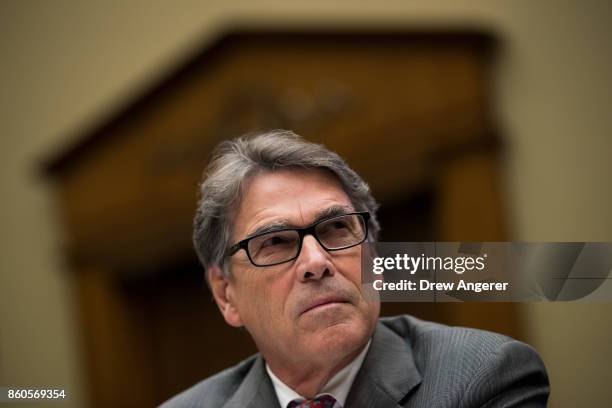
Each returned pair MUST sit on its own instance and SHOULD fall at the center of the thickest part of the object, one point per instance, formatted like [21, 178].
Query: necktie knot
[324, 401]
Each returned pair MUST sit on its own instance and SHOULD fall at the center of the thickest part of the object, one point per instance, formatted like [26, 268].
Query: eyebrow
[273, 226]
[332, 211]
[328, 212]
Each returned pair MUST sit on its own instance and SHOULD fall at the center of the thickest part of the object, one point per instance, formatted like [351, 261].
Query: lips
[322, 302]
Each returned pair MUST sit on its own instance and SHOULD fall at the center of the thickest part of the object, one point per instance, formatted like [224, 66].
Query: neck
[312, 376]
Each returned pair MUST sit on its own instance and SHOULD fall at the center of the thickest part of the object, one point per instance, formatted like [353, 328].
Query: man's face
[311, 307]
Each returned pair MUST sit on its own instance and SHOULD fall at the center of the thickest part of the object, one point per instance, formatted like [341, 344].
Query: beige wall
[66, 64]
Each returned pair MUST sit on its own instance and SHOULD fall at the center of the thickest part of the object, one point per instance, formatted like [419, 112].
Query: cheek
[349, 265]
[262, 299]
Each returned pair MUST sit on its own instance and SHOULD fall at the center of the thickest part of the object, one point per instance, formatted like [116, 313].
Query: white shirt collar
[338, 386]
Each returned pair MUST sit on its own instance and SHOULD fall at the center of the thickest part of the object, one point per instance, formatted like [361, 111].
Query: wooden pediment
[391, 103]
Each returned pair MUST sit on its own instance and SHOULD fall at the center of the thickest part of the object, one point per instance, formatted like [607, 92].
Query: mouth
[322, 303]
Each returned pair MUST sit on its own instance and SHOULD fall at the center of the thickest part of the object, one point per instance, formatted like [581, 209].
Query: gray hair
[234, 161]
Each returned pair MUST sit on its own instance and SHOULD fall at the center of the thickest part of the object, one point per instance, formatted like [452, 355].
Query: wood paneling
[409, 111]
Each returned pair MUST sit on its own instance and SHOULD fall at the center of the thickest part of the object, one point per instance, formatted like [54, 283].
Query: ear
[223, 292]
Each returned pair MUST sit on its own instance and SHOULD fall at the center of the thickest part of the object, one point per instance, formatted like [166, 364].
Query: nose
[313, 262]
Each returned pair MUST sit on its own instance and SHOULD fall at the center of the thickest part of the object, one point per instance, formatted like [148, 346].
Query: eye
[340, 224]
[275, 240]
[335, 228]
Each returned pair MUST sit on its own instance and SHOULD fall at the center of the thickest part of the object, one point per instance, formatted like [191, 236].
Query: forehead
[291, 196]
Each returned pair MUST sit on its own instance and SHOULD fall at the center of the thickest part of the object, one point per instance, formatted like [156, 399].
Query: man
[279, 229]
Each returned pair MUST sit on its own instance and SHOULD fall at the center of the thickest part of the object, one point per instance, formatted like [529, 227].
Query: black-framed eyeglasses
[284, 245]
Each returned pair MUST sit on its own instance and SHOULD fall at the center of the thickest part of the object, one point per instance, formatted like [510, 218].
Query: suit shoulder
[437, 337]
[212, 391]
[467, 349]
[472, 365]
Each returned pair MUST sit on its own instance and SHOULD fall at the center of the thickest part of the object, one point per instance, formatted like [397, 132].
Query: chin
[336, 330]
[341, 338]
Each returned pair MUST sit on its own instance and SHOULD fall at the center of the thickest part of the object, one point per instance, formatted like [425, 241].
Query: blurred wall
[68, 64]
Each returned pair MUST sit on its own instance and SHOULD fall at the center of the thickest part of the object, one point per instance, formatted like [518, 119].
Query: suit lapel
[387, 374]
[256, 391]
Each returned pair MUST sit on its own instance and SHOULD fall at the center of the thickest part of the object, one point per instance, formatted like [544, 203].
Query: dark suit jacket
[411, 363]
